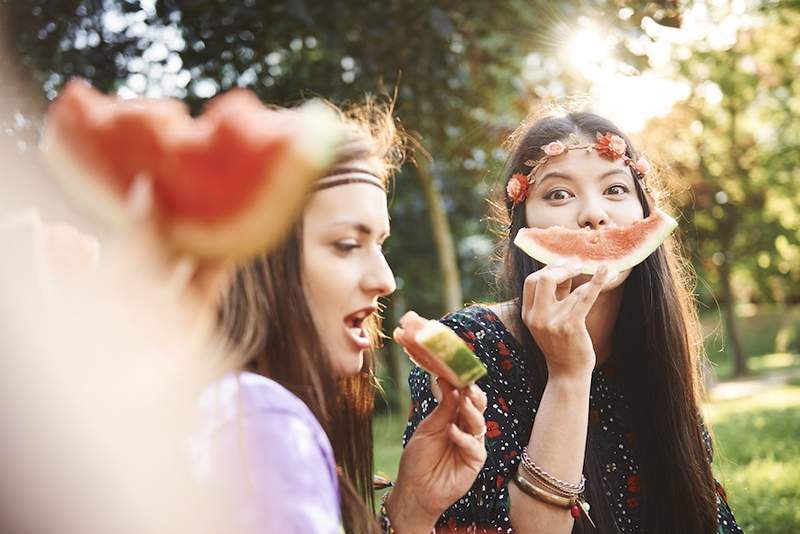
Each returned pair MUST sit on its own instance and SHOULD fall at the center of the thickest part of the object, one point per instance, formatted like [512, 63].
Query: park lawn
[757, 456]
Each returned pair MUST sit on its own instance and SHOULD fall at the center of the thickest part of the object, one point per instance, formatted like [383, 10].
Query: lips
[355, 327]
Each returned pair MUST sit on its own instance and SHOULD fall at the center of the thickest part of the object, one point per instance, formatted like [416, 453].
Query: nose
[592, 216]
[379, 279]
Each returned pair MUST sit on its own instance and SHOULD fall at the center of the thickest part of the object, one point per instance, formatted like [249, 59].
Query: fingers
[140, 198]
[470, 419]
[539, 290]
[563, 289]
[445, 412]
[586, 295]
[477, 396]
[472, 447]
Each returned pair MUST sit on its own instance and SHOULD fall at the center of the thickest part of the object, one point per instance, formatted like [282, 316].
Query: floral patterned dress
[509, 419]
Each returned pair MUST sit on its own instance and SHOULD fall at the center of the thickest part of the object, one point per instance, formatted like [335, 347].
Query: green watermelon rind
[635, 257]
[452, 351]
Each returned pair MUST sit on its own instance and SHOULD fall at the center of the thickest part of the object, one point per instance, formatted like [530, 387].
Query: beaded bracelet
[557, 482]
[383, 517]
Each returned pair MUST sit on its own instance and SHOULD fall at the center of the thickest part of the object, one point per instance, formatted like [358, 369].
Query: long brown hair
[267, 317]
[657, 344]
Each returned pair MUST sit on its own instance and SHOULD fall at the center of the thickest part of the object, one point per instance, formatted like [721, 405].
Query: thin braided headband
[609, 146]
[348, 175]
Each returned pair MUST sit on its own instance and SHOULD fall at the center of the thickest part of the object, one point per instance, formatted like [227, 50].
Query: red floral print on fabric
[493, 429]
[502, 403]
[633, 484]
[502, 349]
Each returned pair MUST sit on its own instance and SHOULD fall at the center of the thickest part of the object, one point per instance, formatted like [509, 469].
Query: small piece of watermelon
[438, 350]
[452, 351]
[618, 247]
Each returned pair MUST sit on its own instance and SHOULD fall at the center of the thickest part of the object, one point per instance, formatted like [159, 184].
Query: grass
[757, 442]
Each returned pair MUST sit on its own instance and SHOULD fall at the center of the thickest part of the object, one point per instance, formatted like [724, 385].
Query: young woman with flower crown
[593, 388]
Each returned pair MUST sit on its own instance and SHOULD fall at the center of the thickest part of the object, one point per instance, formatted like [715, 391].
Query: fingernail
[612, 276]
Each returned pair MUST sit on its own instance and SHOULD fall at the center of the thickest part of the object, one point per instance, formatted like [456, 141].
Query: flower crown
[608, 145]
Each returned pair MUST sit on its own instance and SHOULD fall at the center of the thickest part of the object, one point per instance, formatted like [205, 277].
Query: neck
[600, 322]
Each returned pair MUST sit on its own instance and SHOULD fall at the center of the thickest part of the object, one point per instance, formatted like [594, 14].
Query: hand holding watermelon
[226, 184]
[556, 315]
[440, 461]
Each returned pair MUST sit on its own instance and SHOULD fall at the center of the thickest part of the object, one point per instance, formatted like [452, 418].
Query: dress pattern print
[510, 412]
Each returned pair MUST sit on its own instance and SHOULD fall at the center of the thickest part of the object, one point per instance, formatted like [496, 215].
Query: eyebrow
[556, 174]
[361, 228]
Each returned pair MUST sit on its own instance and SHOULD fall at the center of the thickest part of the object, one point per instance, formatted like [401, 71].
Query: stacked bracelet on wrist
[383, 517]
[535, 482]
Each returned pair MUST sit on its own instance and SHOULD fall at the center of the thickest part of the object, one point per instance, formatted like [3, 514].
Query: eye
[345, 246]
[558, 194]
[617, 189]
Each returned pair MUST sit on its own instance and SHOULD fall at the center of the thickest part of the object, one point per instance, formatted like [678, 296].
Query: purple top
[263, 448]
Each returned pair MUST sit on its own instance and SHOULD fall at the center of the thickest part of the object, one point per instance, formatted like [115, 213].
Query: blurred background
[708, 89]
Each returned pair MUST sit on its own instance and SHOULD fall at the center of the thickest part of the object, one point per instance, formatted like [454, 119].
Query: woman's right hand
[556, 316]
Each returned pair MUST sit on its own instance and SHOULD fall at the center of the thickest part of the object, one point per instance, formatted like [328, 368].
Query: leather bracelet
[542, 495]
[534, 477]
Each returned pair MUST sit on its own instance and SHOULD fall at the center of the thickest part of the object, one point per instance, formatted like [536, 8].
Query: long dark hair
[657, 343]
[267, 317]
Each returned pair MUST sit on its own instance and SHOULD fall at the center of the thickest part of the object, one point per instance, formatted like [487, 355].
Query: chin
[349, 363]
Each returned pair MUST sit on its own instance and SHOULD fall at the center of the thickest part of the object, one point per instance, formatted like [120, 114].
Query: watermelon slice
[438, 350]
[618, 247]
[225, 184]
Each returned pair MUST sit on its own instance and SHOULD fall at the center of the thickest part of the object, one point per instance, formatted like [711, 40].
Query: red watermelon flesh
[225, 184]
[618, 247]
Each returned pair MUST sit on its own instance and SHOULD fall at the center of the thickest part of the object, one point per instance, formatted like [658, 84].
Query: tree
[739, 157]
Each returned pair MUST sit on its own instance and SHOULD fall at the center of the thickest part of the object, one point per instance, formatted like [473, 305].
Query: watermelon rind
[666, 225]
[451, 350]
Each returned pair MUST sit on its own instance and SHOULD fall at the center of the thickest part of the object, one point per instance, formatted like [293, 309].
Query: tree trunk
[392, 352]
[731, 329]
[443, 238]
[729, 229]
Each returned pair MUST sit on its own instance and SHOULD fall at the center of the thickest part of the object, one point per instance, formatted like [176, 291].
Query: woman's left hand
[441, 461]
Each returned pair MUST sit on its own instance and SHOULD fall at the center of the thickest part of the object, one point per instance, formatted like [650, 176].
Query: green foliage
[738, 157]
[455, 65]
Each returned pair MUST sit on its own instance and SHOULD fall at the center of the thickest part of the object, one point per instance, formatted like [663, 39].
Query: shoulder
[259, 402]
[244, 393]
[267, 419]
[264, 447]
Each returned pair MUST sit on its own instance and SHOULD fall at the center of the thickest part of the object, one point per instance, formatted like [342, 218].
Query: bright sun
[588, 49]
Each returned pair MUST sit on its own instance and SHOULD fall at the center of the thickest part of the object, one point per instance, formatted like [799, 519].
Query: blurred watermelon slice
[226, 184]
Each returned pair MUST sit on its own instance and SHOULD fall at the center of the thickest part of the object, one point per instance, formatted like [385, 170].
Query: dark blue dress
[509, 417]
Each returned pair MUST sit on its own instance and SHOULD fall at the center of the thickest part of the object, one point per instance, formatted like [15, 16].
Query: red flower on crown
[517, 188]
[610, 146]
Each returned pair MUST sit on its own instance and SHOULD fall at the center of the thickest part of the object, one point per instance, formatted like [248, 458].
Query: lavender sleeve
[279, 466]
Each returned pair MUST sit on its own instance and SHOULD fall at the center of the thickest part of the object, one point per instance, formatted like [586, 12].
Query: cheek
[542, 215]
[627, 212]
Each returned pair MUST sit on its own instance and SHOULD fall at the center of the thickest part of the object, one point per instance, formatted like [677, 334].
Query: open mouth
[355, 327]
